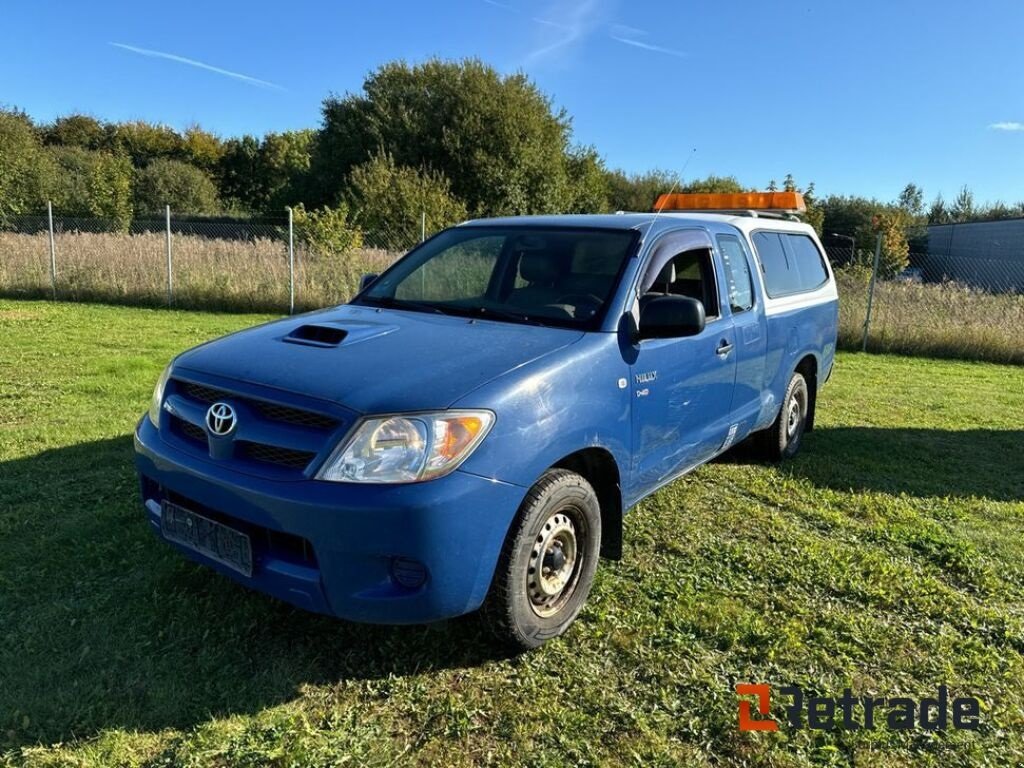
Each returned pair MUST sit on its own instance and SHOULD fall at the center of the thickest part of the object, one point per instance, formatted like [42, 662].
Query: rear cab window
[790, 261]
[737, 273]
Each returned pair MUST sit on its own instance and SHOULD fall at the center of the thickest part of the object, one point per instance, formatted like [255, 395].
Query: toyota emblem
[220, 419]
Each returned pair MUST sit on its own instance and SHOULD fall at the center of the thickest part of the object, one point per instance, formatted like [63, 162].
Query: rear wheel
[547, 563]
[782, 440]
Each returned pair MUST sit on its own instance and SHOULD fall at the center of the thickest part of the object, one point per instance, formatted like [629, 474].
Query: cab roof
[644, 221]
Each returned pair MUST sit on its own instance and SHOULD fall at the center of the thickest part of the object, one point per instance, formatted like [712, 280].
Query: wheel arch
[599, 468]
[808, 368]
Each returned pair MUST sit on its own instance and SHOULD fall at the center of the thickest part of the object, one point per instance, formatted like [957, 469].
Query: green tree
[201, 149]
[865, 219]
[639, 191]
[911, 200]
[171, 182]
[963, 208]
[938, 213]
[238, 175]
[326, 231]
[76, 131]
[496, 137]
[589, 187]
[25, 169]
[94, 184]
[283, 169]
[143, 142]
[390, 201]
[714, 184]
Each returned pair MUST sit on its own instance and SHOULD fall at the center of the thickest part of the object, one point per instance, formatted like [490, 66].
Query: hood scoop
[317, 335]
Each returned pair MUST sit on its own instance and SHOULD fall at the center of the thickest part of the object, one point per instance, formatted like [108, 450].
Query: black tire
[522, 609]
[783, 438]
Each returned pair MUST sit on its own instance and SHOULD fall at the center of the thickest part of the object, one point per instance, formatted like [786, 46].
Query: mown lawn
[888, 557]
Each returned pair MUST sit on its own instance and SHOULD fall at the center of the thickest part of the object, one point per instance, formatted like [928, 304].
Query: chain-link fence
[942, 304]
[259, 264]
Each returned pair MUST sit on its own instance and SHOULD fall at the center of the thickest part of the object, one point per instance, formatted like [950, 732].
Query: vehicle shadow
[102, 626]
[985, 463]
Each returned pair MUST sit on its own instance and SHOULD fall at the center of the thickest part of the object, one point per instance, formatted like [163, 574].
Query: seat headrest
[667, 276]
[538, 268]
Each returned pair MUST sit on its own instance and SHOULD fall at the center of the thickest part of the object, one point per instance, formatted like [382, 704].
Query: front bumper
[366, 540]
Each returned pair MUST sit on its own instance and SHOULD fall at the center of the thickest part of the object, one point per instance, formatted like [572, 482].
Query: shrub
[391, 202]
[171, 182]
[88, 183]
[23, 171]
[325, 231]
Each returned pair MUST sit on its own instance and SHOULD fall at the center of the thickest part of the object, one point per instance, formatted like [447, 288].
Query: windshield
[551, 276]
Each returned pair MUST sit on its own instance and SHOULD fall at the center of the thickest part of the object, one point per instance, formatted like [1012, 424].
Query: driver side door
[683, 387]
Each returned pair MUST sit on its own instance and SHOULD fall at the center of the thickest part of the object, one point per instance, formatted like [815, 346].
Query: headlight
[408, 448]
[158, 396]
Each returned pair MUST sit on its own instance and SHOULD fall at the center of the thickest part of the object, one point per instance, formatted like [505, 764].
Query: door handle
[724, 348]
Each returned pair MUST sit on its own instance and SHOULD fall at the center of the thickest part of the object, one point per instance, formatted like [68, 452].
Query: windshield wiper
[393, 303]
[488, 313]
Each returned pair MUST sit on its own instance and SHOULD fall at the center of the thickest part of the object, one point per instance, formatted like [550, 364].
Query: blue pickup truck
[469, 431]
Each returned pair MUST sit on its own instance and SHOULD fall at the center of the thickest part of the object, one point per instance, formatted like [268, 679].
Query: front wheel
[782, 440]
[548, 561]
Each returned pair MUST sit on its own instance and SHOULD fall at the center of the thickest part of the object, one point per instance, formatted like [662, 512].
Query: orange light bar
[743, 201]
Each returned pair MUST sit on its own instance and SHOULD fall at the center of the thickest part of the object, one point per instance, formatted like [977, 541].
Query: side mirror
[366, 279]
[670, 317]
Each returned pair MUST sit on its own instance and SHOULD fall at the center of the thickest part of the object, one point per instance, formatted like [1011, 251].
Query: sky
[859, 98]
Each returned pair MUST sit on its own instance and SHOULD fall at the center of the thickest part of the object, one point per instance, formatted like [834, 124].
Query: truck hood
[376, 360]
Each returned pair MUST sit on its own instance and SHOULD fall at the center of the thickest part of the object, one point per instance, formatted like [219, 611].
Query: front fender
[575, 399]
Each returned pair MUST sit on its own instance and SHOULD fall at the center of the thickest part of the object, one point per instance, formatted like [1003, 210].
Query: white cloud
[1009, 125]
[201, 65]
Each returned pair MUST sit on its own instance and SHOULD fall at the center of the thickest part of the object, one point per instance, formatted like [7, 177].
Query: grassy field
[888, 557]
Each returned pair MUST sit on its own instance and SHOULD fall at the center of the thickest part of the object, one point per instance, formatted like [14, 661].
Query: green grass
[887, 557]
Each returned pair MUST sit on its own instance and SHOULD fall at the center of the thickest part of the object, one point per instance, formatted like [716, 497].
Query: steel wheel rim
[553, 569]
[795, 414]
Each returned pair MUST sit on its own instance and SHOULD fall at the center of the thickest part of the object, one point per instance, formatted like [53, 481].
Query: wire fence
[188, 262]
[942, 304]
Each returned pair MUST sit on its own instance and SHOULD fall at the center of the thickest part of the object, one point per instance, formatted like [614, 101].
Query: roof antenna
[675, 184]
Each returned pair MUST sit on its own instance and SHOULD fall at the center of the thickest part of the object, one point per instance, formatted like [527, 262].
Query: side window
[809, 265]
[737, 273]
[780, 275]
[791, 263]
[690, 273]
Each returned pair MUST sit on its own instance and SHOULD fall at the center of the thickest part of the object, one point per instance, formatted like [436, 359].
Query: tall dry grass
[208, 273]
[946, 320]
[932, 319]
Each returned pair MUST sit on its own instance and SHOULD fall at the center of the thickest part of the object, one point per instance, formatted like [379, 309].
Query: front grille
[190, 430]
[271, 454]
[270, 411]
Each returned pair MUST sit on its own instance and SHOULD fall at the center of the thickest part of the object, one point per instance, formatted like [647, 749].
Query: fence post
[53, 250]
[423, 226]
[871, 292]
[291, 264]
[170, 271]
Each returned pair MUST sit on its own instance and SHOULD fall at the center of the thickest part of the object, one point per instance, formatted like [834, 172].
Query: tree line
[445, 140]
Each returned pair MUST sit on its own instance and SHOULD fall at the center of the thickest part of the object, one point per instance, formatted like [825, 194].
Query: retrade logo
[221, 420]
[849, 712]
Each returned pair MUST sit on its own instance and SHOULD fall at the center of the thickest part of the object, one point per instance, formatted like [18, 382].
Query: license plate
[208, 537]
